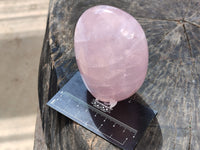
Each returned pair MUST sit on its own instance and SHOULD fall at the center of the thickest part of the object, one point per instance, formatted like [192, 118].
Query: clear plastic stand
[104, 106]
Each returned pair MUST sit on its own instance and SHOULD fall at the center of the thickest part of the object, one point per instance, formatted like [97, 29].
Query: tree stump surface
[172, 84]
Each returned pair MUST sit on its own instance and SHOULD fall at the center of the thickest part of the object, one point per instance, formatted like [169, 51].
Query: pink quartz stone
[111, 52]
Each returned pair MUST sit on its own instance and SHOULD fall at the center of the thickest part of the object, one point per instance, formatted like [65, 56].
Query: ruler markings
[85, 124]
[104, 114]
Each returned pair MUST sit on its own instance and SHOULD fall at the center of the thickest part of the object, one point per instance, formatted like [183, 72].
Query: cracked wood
[172, 84]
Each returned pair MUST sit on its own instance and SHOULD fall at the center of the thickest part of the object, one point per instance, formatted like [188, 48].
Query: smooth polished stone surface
[111, 52]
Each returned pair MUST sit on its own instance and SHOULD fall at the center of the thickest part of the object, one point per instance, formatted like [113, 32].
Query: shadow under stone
[130, 114]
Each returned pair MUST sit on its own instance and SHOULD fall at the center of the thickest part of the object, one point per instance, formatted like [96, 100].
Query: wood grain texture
[172, 84]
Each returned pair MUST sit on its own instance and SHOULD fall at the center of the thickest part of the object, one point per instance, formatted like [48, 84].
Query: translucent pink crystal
[111, 52]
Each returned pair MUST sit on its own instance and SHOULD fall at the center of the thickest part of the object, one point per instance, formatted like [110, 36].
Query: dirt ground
[22, 26]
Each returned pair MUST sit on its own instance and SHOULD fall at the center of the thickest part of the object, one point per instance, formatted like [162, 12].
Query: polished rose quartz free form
[111, 52]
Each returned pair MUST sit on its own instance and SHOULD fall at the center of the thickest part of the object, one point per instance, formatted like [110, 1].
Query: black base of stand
[122, 125]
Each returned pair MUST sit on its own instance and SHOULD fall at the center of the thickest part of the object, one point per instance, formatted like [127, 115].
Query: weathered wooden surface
[172, 85]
